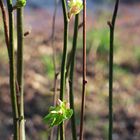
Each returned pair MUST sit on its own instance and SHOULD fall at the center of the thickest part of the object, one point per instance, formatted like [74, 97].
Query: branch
[12, 71]
[111, 57]
[71, 78]
[5, 23]
[20, 47]
[84, 72]
[63, 65]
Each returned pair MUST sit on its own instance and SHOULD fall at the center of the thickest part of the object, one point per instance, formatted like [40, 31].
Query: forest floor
[39, 75]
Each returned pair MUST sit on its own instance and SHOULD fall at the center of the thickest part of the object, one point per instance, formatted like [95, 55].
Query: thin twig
[54, 102]
[63, 65]
[64, 57]
[84, 73]
[80, 25]
[111, 57]
[54, 51]
[70, 55]
[12, 71]
[5, 23]
[54, 59]
[20, 65]
[68, 64]
[71, 77]
[53, 34]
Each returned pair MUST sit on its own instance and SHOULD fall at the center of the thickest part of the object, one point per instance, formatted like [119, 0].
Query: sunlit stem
[12, 71]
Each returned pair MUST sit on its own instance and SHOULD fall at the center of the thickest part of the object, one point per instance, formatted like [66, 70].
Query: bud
[19, 4]
[75, 7]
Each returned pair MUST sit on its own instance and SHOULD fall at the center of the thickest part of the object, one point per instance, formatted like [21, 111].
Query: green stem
[63, 65]
[111, 58]
[84, 74]
[111, 86]
[20, 71]
[63, 69]
[12, 70]
[71, 78]
[51, 137]
[68, 64]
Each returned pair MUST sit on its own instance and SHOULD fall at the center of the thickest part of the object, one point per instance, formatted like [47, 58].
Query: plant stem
[20, 46]
[84, 72]
[54, 52]
[70, 56]
[5, 23]
[12, 70]
[111, 57]
[63, 65]
[54, 61]
[64, 57]
[53, 34]
[71, 78]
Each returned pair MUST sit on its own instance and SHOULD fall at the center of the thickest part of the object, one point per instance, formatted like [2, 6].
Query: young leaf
[58, 114]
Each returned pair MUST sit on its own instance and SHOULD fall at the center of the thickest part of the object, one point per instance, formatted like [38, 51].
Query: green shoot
[75, 7]
[58, 114]
[19, 4]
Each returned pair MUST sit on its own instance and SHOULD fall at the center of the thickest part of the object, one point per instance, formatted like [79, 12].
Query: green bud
[19, 4]
[75, 7]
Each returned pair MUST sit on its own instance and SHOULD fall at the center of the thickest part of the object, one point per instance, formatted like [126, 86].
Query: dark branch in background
[80, 25]
[54, 60]
[12, 71]
[84, 72]
[53, 34]
[5, 23]
[71, 77]
[111, 57]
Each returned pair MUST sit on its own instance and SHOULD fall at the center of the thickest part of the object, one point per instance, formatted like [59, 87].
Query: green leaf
[58, 114]
[69, 113]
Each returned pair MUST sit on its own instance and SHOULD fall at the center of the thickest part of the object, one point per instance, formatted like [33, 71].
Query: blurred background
[39, 71]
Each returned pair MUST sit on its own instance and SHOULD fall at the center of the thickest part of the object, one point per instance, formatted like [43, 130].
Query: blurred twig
[53, 34]
[5, 23]
[54, 60]
[80, 25]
